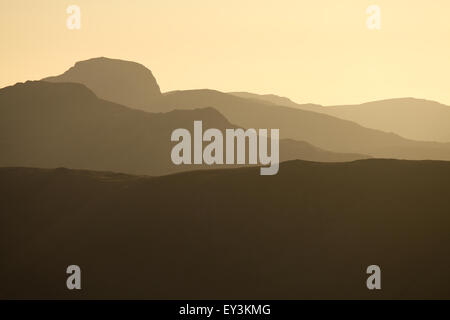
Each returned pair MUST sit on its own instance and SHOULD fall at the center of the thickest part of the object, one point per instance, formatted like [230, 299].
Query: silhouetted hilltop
[49, 125]
[308, 232]
[123, 82]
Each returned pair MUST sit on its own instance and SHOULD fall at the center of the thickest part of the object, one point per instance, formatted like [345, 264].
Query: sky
[315, 51]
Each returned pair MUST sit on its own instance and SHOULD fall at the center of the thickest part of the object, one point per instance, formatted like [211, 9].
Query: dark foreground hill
[308, 232]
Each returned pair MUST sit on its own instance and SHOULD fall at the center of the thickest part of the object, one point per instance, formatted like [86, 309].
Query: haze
[311, 51]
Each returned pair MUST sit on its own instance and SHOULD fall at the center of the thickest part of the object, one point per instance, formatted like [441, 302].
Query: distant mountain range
[415, 119]
[307, 233]
[49, 125]
[296, 122]
[321, 130]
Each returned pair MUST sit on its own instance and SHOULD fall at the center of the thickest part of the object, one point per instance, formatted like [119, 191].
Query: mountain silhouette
[307, 233]
[415, 119]
[319, 129]
[123, 82]
[309, 122]
[44, 124]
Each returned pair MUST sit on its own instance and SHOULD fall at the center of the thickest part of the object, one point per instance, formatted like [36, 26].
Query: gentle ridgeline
[308, 232]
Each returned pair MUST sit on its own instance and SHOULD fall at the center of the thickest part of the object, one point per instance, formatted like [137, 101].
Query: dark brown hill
[308, 232]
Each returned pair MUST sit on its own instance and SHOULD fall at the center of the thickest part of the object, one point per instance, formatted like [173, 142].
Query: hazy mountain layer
[415, 119]
[302, 122]
[50, 125]
[321, 130]
[308, 232]
[277, 100]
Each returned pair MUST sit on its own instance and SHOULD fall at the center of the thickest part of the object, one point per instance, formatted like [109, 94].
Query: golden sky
[318, 51]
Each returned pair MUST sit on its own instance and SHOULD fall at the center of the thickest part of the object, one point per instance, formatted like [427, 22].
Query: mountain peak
[120, 81]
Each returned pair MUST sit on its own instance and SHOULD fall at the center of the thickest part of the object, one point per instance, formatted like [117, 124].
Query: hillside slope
[308, 232]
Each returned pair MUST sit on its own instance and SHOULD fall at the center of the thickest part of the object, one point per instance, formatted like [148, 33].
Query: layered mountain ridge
[44, 124]
[314, 124]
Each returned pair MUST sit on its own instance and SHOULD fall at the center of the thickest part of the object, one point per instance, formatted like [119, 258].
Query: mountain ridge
[412, 118]
[325, 131]
[45, 124]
